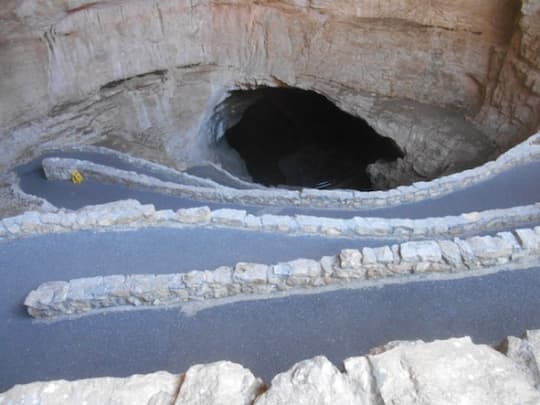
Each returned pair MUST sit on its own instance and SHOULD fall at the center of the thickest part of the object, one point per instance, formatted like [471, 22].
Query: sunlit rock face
[452, 83]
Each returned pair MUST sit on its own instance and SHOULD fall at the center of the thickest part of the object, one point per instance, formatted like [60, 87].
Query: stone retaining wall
[130, 214]
[158, 168]
[61, 169]
[79, 296]
[443, 372]
[154, 170]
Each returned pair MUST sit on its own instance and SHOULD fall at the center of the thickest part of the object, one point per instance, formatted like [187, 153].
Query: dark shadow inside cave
[295, 138]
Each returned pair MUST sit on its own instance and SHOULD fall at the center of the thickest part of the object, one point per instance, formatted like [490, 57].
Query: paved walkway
[519, 186]
[267, 336]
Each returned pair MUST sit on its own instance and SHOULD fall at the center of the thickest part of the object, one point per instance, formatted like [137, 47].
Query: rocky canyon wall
[459, 81]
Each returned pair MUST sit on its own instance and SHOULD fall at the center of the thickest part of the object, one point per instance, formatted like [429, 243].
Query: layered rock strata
[452, 84]
[454, 371]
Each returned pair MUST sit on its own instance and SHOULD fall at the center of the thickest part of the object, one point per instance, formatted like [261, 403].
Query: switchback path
[516, 187]
[267, 336]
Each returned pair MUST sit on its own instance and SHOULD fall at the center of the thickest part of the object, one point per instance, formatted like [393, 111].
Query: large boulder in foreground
[220, 383]
[449, 372]
[444, 372]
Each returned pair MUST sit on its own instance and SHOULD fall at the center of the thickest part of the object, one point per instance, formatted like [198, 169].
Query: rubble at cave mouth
[291, 138]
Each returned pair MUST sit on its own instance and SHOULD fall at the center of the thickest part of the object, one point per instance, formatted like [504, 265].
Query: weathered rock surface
[525, 352]
[158, 388]
[452, 372]
[448, 372]
[119, 73]
[221, 383]
[312, 382]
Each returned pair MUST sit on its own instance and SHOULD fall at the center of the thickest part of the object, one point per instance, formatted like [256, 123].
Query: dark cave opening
[294, 138]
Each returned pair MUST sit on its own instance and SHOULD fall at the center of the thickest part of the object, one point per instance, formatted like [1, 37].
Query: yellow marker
[76, 177]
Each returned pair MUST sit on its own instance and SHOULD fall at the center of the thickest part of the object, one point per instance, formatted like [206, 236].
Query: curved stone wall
[184, 185]
[145, 76]
[130, 214]
[519, 249]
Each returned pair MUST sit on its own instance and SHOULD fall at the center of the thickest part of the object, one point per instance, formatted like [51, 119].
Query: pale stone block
[280, 223]
[303, 271]
[469, 259]
[251, 273]
[165, 215]
[220, 383]
[48, 293]
[379, 227]
[421, 251]
[308, 224]
[194, 278]
[384, 254]
[115, 286]
[12, 225]
[333, 226]
[315, 381]
[327, 265]
[350, 258]
[253, 222]
[488, 247]
[86, 288]
[403, 227]
[30, 222]
[360, 226]
[222, 275]
[198, 215]
[229, 217]
[368, 256]
[528, 239]
[305, 268]
[451, 253]
[511, 240]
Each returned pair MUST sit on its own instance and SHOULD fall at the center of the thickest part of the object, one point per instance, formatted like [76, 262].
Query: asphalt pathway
[24, 264]
[268, 336]
[516, 187]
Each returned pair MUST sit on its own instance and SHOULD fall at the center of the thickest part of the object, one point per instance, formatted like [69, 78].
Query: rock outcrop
[221, 383]
[452, 83]
[525, 352]
[159, 388]
[453, 372]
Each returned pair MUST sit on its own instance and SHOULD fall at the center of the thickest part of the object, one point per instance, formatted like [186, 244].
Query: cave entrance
[292, 138]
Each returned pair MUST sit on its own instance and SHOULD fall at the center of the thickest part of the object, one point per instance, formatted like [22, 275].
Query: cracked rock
[450, 372]
[220, 383]
[157, 389]
[311, 382]
[424, 251]
[525, 352]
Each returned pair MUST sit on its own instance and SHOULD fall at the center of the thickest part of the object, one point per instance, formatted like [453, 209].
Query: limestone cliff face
[459, 79]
